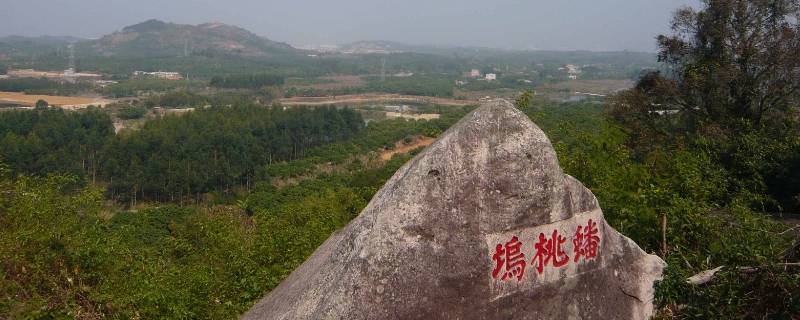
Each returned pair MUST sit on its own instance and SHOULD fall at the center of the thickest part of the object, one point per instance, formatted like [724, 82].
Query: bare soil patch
[401, 147]
[65, 102]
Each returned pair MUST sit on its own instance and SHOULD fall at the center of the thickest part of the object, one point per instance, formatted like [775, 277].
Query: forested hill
[158, 38]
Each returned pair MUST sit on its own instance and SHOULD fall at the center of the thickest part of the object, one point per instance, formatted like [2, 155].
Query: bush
[132, 112]
[177, 99]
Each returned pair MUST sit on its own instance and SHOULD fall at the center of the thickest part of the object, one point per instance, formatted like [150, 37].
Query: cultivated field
[335, 82]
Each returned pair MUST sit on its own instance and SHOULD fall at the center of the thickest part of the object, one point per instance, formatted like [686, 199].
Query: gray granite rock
[461, 232]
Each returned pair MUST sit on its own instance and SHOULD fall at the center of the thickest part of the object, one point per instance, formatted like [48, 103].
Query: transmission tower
[69, 74]
[383, 69]
[71, 57]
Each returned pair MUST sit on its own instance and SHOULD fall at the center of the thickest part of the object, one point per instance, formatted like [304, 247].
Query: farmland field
[63, 101]
[371, 98]
[331, 82]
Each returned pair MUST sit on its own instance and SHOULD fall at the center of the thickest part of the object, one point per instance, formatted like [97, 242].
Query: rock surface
[443, 239]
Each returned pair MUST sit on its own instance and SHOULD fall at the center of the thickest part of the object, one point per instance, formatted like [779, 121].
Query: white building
[572, 71]
[475, 73]
[491, 76]
[401, 108]
[158, 75]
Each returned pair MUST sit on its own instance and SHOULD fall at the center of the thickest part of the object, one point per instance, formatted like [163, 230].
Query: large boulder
[481, 225]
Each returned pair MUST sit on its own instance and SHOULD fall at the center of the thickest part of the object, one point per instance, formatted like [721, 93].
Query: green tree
[732, 61]
[733, 85]
[41, 104]
[524, 100]
[132, 112]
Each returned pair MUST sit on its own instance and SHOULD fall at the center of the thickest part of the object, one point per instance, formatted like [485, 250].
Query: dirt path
[401, 147]
[372, 98]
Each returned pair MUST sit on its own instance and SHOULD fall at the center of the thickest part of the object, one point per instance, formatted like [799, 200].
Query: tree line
[42, 86]
[212, 149]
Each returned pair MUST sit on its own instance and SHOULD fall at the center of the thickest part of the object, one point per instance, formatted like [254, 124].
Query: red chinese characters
[586, 241]
[549, 251]
[509, 258]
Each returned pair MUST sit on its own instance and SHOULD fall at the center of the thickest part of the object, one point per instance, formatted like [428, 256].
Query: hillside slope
[157, 38]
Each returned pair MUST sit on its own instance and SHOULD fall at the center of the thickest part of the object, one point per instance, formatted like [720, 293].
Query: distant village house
[573, 71]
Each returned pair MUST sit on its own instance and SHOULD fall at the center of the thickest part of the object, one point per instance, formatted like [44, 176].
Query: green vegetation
[307, 81]
[199, 215]
[53, 140]
[3, 69]
[131, 112]
[415, 85]
[85, 260]
[710, 152]
[42, 86]
[247, 81]
[709, 223]
[216, 149]
[173, 157]
[41, 104]
[136, 87]
[64, 257]
[314, 92]
[176, 99]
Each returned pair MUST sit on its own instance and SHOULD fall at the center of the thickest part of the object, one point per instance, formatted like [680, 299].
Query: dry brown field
[61, 101]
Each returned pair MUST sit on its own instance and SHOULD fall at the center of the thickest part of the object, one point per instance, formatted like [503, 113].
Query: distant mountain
[155, 38]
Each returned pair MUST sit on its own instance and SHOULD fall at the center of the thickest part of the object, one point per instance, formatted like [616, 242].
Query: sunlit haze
[602, 25]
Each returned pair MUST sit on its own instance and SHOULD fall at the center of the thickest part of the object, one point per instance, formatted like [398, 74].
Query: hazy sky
[523, 24]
